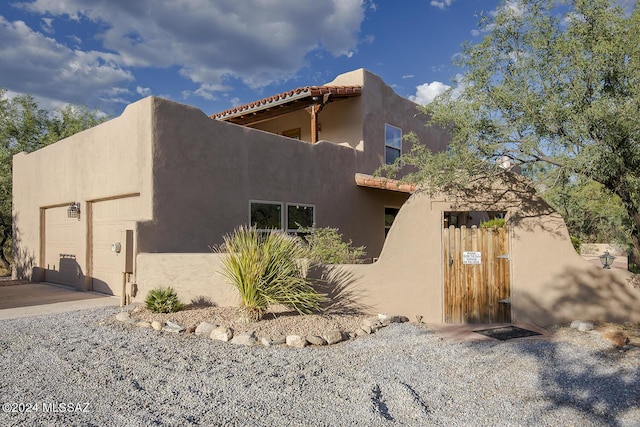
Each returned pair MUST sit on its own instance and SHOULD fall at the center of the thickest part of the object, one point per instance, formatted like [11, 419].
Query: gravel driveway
[82, 368]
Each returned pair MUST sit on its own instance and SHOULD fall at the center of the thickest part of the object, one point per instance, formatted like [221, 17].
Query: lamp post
[606, 259]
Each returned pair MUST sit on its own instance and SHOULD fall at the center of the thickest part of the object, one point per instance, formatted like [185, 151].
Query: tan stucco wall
[380, 105]
[550, 282]
[194, 277]
[110, 160]
[206, 171]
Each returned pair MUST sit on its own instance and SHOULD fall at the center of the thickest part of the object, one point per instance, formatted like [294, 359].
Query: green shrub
[269, 269]
[327, 246]
[163, 300]
[493, 223]
[577, 243]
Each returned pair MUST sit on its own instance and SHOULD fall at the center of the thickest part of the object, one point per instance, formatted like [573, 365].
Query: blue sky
[214, 54]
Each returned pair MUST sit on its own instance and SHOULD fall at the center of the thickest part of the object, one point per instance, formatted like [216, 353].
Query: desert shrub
[493, 223]
[327, 246]
[577, 243]
[163, 300]
[267, 268]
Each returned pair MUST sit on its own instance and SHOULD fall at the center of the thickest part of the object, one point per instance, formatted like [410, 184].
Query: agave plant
[266, 269]
[163, 300]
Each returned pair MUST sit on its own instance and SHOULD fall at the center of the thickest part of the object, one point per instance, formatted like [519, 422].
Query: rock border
[226, 334]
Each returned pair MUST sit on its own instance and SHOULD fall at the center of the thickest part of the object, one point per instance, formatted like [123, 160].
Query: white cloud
[427, 92]
[39, 65]
[46, 25]
[256, 41]
[441, 4]
[143, 91]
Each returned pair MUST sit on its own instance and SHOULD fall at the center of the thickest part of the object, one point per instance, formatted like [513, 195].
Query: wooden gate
[476, 275]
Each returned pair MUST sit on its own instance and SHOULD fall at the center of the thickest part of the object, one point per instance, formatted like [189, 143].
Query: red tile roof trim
[301, 92]
[364, 180]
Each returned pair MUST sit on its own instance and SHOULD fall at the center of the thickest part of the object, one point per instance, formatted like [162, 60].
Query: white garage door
[63, 253]
[110, 221]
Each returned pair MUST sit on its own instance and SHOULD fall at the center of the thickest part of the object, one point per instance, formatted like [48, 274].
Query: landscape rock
[367, 329]
[403, 319]
[268, 342]
[124, 316]
[156, 325]
[316, 340]
[205, 328]
[575, 324]
[296, 341]
[333, 337]
[172, 327]
[387, 319]
[585, 327]
[143, 324]
[221, 333]
[361, 332]
[582, 325]
[244, 339]
[617, 338]
[190, 330]
[373, 323]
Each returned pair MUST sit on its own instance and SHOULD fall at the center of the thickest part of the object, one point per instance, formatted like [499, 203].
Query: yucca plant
[163, 300]
[268, 269]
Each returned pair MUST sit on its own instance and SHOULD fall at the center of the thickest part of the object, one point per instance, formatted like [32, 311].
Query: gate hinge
[505, 256]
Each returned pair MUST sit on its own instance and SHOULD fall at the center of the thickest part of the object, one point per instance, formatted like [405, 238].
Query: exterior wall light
[73, 211]
[607, 259]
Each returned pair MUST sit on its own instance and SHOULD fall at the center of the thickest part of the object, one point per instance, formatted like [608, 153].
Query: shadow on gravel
[585, 384]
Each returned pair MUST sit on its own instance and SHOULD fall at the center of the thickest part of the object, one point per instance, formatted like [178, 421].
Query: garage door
[110, 221]
[63, 249]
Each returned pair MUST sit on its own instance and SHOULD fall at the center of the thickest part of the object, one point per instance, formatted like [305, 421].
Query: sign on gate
[472, 257]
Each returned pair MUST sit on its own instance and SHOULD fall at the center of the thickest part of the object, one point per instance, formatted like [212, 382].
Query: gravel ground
[114, 374]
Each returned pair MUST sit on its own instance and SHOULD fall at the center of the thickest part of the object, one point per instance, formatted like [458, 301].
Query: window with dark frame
[300, 217]
[266, 215]
[389, 216]
[392, 143]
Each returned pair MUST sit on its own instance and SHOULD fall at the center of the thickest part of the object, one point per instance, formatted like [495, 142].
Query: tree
[26, 127]
[552, 83]
[592, 214]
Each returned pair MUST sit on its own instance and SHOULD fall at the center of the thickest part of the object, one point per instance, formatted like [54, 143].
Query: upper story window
[392, 143]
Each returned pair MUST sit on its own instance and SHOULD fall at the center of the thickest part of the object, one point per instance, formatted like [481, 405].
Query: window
[389, 216]
[300, 216]
[392, 143]
[270, 216]
[266, 215]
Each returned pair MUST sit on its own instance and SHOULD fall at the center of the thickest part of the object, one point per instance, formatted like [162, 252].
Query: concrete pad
[36, 299]
[464, 332]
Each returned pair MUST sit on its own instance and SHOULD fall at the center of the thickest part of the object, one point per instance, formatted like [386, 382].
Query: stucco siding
[206, 172]
[109, 160]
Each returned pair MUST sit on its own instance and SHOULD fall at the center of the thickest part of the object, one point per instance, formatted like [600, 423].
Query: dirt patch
[273, 324]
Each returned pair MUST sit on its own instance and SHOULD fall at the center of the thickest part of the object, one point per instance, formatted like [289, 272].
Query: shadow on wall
[512, 193]
[593, 294]
[339, 287]
[586, 386]
[23, 262]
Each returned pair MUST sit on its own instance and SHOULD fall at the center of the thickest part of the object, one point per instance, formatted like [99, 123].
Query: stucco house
[136, 203]
[163, 178]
